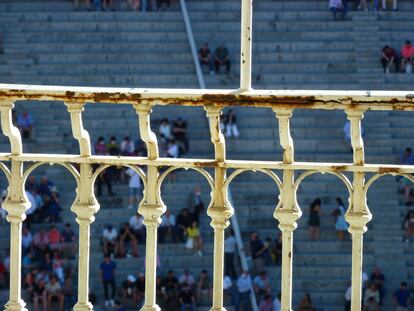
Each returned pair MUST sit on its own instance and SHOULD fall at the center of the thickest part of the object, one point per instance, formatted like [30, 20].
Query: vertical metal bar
[246, 45]
[358, 214]
[287, 211]
[16, 205]
[219, 211]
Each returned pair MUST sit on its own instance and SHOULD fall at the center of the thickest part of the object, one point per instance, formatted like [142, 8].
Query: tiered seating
[296, 46]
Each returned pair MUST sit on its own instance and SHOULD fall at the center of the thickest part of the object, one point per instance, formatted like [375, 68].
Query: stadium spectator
[168, 227]
[340, 224]
[187, 299]
[54, 292]
[108, 268]
[184, 221]
[407, 53]
[27, 240]
[229, 254]
[2, 275]
[136, 223]
[407, 157]
[277, 302]
[244, 287]
[160, 4]
[109, 239]
[204, 285]
[134, 186]
[314, 219]
[40, 295]
[51, 207]
[112, 147]
[389, 57]
[227, 287]
[372, 293]
[259, 252]
[179, 131]
[40, 242]
[231, 124]
[401, 297]
[87, 3]
[170, 285]
[54, 238]
[222, 58]
[165, 129]
[127, 147]
[141, 288]
[306, 303]
[266, 304]
[195, 203]
[378, 278]
[128, 291]
[337, 5]
[276, 250]
[25, 124]
[194, 240]
[68, 292]
[108, 5]
[409, 226]
[127, 239]
[100, 147]
[68, 241]
[135, 5]
[261, 285]
[348, 297]
[140, 149]
[118, 306]
[205, 57]
[371, 305]
[186, 279]
[394, 5]
[173, 149]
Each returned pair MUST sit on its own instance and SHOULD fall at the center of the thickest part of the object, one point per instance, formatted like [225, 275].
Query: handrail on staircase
[191, 41]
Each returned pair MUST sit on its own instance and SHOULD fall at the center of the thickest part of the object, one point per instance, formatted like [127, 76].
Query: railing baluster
[358, 214]
[151, 208]
[85, 206]
[288, 213]
[16, 205]
[219, 211]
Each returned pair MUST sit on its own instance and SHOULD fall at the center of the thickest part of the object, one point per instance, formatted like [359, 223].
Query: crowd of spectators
[342, 6]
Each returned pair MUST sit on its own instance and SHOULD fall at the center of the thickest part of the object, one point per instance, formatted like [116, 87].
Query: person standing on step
[229, 254]
[314, 219]
[134, 186]
[340, 224]
[231, 124]
[195, 203]
[108, 268]
[244, 287]
[407, 52]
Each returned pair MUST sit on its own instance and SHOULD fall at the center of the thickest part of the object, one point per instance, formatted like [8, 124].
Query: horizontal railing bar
[188, 163]
[306, 99]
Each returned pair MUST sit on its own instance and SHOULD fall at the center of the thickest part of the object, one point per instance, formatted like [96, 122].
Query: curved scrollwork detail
[6, 171]
[341, 176]
[203, 172]
[378, 176]
[68, 166]
[267, 172]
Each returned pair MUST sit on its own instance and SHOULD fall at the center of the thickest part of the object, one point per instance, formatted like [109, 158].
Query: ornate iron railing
[283, 103]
